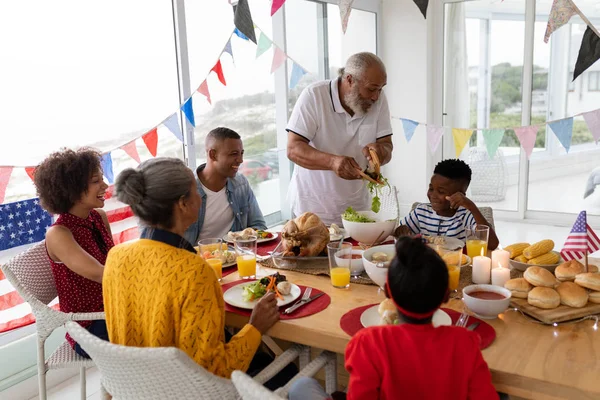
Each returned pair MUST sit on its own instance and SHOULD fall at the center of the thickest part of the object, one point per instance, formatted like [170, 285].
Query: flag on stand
[581, 241]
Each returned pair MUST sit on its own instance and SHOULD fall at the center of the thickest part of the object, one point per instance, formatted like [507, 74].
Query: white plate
[370, 317]
[233, 296]
[450, 243]
[343, 235]
[258, 241]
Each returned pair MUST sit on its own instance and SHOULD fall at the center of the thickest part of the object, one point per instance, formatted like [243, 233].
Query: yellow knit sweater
[156, 295]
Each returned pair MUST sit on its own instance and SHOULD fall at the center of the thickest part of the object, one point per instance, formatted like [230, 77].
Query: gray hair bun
[131, 186]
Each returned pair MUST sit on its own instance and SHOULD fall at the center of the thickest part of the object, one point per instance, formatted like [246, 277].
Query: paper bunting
[218, 69]
[560, 14]
[492, 138]
[264, 44]
[131, 150]
[434, 135]
[297, 73]
[526, 136]
[228, 49]
[240, 34]
[592, 119]
[589, 52]
[203, 90]
[172, 123]
[4, 178]
[422, 4]
[461, 138]
[243, 20]
[30, 171]
[151, 140]
[107, 167]
[276, 5]
[563, 129]
[345, 7]
[278, 58]
[188, 110]
[409, 127]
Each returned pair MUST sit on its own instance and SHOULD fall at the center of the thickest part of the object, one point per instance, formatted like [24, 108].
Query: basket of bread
[569, 285]
[540, 254]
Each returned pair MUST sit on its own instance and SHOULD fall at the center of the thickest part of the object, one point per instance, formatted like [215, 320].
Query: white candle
[481, 269]
[500, 256]
[500, 275]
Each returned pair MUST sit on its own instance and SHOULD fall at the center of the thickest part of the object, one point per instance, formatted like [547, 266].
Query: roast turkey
[304, 236]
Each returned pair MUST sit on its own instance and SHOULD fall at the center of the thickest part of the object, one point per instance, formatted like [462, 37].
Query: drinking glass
[211, 249]
[477, 240]
[454, 263]
[339, 268]
[245, 250]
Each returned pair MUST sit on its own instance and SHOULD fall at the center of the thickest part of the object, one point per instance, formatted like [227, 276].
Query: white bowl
[356, 264]
[378, 275]
[367, 232]
[486, 309]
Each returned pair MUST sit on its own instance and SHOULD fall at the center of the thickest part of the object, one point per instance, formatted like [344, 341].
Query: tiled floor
[67, 390]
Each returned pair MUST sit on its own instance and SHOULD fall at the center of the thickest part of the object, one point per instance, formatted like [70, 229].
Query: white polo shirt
[319, 117]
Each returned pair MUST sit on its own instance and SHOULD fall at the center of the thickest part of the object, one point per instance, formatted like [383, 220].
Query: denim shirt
[246, 213]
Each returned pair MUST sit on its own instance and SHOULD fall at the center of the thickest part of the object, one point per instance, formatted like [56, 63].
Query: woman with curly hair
[70, 183]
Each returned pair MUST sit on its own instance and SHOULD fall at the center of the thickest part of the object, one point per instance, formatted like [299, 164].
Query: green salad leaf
[253, 291]
[353, 216]
[374, 190]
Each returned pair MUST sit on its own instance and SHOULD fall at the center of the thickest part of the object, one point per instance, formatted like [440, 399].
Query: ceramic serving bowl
[519, 266]
[483, 308]
[378, 275]
[367, 232]
[356, 264]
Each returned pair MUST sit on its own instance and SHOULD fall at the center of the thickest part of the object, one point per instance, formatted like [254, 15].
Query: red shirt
[76, 293]
[417, 362]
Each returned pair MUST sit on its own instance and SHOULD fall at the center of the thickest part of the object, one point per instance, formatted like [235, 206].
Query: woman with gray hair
[158, 292]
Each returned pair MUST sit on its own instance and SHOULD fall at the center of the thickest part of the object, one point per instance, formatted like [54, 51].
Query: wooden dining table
[527, 359]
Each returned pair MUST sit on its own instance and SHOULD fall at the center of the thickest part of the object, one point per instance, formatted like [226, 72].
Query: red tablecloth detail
[350, 323]
[229, 270]
[311, 308]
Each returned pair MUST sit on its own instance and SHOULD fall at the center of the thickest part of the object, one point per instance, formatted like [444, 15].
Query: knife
[300, 304]
[473, 326]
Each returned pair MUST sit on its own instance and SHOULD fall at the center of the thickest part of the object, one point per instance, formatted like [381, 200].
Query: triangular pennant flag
[422, 4]
[345, 8]
[297, 73]
[240, 34]
[278, 58]
[592, 119]
[526, 136]
[492, 138]
[563, 129]
[461, 138]
[243, 20]
[228, 49]
[409, 127]
[203, 89]
[107, 167]
[434, 135]
[151, 141]
[276, 5]
[131, 150]
[218, 69]
[560, 14]
[4, 178]
[172, 123]
[188, 110]
[30, 171]
[589, 52]
[264, 44]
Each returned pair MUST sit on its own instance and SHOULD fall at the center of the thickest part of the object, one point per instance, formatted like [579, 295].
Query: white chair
[30, 273]
[249, 389]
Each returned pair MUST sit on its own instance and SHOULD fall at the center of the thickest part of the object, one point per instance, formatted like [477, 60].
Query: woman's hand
[265, 313]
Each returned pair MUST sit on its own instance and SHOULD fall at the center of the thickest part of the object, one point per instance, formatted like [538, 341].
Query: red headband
[406, 312]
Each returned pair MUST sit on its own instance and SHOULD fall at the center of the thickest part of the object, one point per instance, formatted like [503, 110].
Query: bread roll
[594, 297]
[519, 287]
[387, 304]
[592, 268]
[543, 297]
[588, 280]
[539, 276]
[572, 295]
[567, 271]
[388, 312]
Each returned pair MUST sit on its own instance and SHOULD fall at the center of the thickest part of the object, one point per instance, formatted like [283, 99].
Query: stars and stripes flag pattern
[581, 241]
[25, 222]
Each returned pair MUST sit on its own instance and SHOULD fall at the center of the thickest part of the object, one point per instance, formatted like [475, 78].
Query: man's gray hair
[358, 63]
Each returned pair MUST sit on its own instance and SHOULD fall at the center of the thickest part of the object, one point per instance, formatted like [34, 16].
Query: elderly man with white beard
[330, 132]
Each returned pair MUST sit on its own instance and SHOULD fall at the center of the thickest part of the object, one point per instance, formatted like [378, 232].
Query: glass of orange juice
[211, 250]
[477, 240]
[454, 260]
[339, 267]
[245, 250]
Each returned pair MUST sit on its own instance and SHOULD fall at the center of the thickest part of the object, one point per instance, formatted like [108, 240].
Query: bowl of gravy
[355, 256]
[486, 301]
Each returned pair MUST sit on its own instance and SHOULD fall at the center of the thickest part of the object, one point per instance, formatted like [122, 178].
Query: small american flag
[581, 241]
[22, 222]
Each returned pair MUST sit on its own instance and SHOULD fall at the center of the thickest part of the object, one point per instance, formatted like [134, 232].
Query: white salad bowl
[367, 232]
[377, 274]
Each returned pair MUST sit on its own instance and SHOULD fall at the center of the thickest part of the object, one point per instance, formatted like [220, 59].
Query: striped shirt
[425, 221]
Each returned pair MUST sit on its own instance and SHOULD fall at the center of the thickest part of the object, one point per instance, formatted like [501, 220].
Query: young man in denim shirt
[228, 203]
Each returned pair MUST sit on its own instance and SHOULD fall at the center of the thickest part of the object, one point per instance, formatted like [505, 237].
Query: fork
[304, 297]
[463, 319]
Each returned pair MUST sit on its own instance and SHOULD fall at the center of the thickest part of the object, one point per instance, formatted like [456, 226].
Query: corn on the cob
[539, 248]
[545, 259]
[516, 249]
[521, 259]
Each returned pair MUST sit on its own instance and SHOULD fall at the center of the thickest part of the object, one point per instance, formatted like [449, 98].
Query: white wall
[404, 51]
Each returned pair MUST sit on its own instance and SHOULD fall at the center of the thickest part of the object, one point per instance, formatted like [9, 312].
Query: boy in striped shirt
[450, 211]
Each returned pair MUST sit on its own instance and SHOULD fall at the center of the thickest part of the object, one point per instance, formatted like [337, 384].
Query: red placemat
[311, 308]
[350, 323]
[264, 248]
[229, 270]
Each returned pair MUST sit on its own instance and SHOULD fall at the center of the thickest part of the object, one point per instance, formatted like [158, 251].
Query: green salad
[353, 216]
[374, 190]
[254, 291]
